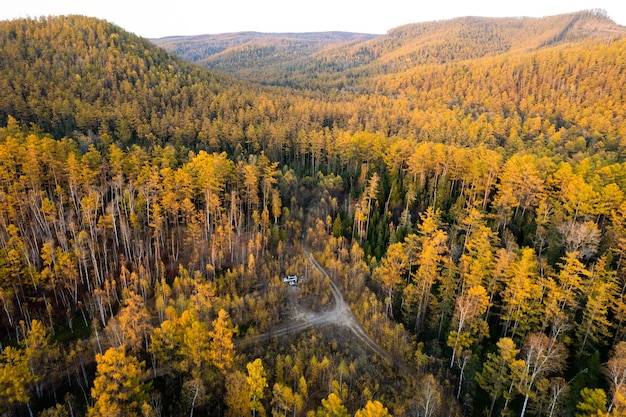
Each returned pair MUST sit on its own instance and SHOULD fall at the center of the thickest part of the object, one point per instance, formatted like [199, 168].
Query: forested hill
[249, 50]
[78, 73]
[351, 58]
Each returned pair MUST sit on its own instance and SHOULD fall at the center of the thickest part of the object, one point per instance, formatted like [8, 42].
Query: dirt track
[341, 315]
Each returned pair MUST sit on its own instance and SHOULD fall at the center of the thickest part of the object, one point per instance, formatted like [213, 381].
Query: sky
[160, 18]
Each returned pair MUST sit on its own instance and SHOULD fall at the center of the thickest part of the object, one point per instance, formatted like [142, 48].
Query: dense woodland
[471, 211]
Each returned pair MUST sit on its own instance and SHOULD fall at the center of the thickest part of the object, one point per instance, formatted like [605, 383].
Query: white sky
[158, 18]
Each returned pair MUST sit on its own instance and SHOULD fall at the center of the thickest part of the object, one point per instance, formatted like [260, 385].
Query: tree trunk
[524, 406]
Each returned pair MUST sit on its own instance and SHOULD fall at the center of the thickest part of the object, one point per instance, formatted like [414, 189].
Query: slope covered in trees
[472, 214]
[351, 62]
[249, 54]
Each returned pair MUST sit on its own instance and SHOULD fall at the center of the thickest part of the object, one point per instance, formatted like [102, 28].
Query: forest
[458, 226]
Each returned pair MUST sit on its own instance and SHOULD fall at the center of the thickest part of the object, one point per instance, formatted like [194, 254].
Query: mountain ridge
[271, 59]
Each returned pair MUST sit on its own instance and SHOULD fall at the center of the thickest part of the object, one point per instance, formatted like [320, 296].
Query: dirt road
[341, 315]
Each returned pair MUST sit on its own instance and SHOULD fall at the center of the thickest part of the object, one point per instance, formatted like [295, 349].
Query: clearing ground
[340, 315]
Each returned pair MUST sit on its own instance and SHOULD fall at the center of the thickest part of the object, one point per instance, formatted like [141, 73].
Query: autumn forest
[451, 197]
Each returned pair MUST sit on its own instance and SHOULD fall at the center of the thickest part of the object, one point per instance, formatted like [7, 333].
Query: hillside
[350, 60]
[457, 226]
[243, 52]
[78, 74]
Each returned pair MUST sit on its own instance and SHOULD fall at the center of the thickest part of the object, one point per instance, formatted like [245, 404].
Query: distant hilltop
[289, 58]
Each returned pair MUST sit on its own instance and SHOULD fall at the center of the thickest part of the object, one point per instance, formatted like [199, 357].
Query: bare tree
[541, 357]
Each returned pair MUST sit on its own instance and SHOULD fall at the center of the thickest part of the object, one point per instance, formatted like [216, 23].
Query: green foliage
[592, 403]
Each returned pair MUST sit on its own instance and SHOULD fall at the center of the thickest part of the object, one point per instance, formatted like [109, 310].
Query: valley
[451, 195]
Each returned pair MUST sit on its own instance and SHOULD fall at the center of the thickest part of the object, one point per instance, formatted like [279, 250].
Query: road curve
[341, 315]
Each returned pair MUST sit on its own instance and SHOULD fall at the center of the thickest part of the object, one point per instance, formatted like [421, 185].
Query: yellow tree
[117, 389]
[592, 403]
[602, 293]
[237, 398]
[134, 321]
[469, 327]
[364, 207]
[285, 400]
[430, 256]
[477, 264]
[467, 320]
[429, 396]
[573, 194]
[166, 342]
[195, 392]
[391, 271]
[520, 300]
[221, 351]
[196, 347]
[373, 409]
[40, 353]
[332, 407]
[564, 294]
[520, 186]
[495, 377]
[257, 383]
[211, 173]
[15, 377]
[269, 173]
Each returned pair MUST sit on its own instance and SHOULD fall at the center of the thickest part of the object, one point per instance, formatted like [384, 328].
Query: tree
[466, 321]
[364, 208]
[391, 271]
[57, 411]
[520, 186]
[616, 371]
[581, 237]
[478, 261]
[332, 407]
[15, 377]
[237, 398]
[285, 400]
[542, 356]
[564, 294]
[39, 353]
[257, 382]
[211, 173]
[196, 346]
[117, 389]
[134, 321]
[520, 304]
[559, 389]
[430, 256]
[428, 396]
[373, 409]
[221, 351]
[595, 324]
[195, 391]
[495, 377]
[592, 402]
